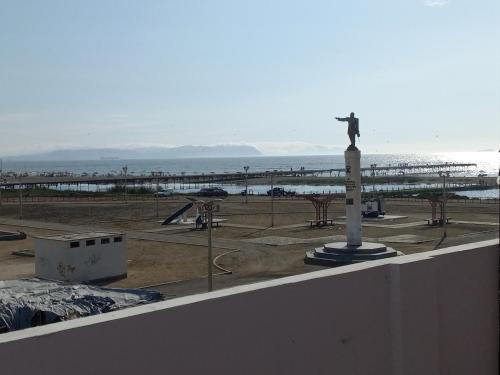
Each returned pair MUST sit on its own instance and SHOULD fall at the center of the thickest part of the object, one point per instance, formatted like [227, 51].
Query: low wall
[428, 313]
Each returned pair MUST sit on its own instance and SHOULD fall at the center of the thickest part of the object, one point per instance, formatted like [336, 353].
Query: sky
[421, 75]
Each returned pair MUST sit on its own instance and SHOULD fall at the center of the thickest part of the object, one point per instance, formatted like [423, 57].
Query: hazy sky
[421, 75]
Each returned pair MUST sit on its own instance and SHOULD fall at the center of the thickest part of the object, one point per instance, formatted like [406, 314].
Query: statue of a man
[352, 129]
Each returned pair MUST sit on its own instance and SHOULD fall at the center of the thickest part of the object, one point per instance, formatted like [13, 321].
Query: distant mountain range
[142, 153]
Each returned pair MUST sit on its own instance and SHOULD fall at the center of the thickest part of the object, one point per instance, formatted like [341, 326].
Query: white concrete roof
[79, 236]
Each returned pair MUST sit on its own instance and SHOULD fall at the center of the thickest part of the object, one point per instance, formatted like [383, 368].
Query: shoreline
[367, 180]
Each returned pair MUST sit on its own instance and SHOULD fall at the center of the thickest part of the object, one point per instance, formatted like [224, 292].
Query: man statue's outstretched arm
[342, 118]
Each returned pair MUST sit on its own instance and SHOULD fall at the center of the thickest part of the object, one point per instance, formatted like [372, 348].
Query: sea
[487, 163]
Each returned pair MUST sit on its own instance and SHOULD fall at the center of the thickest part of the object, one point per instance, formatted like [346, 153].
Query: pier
[156, 178]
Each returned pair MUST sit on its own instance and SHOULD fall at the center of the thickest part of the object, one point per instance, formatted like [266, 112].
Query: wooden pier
[221, 178]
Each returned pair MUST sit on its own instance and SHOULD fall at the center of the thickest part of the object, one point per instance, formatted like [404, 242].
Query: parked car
[212, 192]
[163, 193]
[280, 192]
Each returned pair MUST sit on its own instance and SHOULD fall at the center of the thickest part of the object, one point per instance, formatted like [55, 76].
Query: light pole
[1, 180]
[246, 168]
[272, 199]
[157, 196]
[20, 201]
[125, 168]
[373, 166]
[208, 209]
[444, 219]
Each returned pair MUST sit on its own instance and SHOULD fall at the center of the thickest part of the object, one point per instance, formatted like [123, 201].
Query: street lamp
[272, 199]
[373, 166]
[207, 210]
[1, 180]
[246, 168]
[444, 219]
[125, 168]
[20, 200]
[157, 196]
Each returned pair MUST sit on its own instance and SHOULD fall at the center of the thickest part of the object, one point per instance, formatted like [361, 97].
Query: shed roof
[80, 236]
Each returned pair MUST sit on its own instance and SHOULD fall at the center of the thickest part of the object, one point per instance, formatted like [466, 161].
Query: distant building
[81, 257]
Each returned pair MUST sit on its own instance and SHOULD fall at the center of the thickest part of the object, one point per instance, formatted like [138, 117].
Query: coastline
[403, 180]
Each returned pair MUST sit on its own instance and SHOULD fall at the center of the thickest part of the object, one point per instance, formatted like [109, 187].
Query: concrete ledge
[139, 310]
[429, 313]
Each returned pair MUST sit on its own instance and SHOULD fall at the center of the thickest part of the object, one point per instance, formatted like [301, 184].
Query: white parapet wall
[81, 257]
[424, 314]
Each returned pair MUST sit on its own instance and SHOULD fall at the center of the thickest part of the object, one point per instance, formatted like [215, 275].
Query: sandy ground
[176, 255]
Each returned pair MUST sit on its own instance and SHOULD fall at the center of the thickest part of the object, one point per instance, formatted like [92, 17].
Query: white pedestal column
[353, 197]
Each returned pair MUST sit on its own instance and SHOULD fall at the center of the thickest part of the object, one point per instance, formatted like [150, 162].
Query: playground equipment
[200, 220]
[177, 215]
[320, 203]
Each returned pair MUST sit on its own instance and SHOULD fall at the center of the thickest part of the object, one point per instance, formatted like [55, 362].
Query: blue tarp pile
[32, 302]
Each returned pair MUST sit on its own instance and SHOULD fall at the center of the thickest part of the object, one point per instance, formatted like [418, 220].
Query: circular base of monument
[365, 248]
[327, 256]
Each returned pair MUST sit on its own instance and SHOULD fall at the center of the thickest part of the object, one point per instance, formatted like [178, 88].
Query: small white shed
[81, 257]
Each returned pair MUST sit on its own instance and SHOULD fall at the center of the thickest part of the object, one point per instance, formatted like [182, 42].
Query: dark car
[280, 192]
[212, 192]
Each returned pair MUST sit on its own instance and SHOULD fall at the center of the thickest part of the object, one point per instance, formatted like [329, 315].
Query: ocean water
[487, 162]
